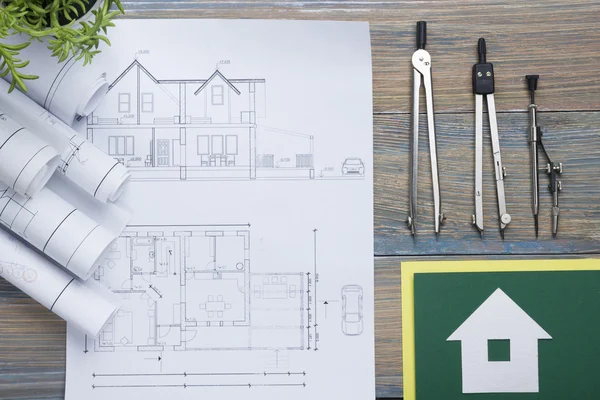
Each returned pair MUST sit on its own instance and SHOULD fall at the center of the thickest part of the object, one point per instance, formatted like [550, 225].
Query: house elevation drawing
[203, 129]
[191, 288]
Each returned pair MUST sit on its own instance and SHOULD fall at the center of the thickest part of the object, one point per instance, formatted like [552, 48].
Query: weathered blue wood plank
[572, 138]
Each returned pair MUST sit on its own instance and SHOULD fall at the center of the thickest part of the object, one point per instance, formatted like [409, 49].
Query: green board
[565, 304]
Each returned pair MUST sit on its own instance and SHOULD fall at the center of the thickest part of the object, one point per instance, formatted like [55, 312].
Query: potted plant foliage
[69, 27]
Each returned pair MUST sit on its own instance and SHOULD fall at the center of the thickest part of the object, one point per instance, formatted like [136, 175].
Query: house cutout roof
[133, 64]
[499, 317]
[213, 76]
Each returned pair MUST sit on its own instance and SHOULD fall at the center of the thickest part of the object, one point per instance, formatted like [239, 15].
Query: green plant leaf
[39, 20]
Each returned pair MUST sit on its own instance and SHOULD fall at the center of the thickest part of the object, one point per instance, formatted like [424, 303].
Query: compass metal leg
[500, 172]
[414, 175]
[435, 176]
[478, 217]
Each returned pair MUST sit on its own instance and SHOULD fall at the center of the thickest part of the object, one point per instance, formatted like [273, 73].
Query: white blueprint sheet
[247, 271]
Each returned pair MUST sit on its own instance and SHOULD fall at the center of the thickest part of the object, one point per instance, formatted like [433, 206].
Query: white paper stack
[59, 194]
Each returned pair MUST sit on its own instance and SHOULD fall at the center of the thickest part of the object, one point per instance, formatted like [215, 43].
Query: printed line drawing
[199, 129]
[236, 147]
[101, 176]
[56, 228]
[191, 288]
[184, 380]
[353, 166]
[314, 298]
[82, 304]
[23, 272]
[80, 161]
[352, 310]
[26, 160]
[186, 374]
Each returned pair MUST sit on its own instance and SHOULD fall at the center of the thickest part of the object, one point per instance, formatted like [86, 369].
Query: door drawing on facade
[196, 129]
[162, 152]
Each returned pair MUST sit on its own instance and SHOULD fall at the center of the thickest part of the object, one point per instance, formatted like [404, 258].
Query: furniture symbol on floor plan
[499, 324]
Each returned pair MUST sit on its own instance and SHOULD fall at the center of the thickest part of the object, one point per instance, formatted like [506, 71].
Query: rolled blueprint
[81, 162]
[56, 228]
[26, 160]
[66, 89]
[86, 305]
[113, 216]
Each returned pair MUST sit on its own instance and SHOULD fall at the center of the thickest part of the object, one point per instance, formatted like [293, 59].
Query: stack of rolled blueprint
[59, 194]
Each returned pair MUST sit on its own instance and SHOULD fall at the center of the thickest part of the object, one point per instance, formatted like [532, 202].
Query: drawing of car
[353, 165]
[352, 310]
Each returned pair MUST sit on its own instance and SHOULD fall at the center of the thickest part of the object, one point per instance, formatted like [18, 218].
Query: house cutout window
[231, 145]
[217, 95]
[203, 146]
[489, 365]
[124, 102]
[498, 350]
[148, 102]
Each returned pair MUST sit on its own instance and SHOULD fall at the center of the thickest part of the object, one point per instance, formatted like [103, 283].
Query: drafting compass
[421, 61]
[554, 170]
[483, 85]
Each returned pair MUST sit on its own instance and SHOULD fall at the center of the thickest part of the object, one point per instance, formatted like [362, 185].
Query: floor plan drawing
[195, 129]
[194, 290]
[186, 289]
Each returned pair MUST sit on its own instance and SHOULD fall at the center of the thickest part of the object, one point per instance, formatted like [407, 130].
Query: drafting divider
[66, 89]
[95, 172]
[86, 305]
[26, 160]
[56, 228]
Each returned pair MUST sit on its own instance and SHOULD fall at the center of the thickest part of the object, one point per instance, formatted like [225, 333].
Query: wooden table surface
[560, 40]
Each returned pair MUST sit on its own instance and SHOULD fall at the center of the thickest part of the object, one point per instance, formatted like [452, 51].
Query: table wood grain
[560, 40]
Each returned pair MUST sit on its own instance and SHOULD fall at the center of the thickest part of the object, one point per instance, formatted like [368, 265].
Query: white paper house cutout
[499, 318]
